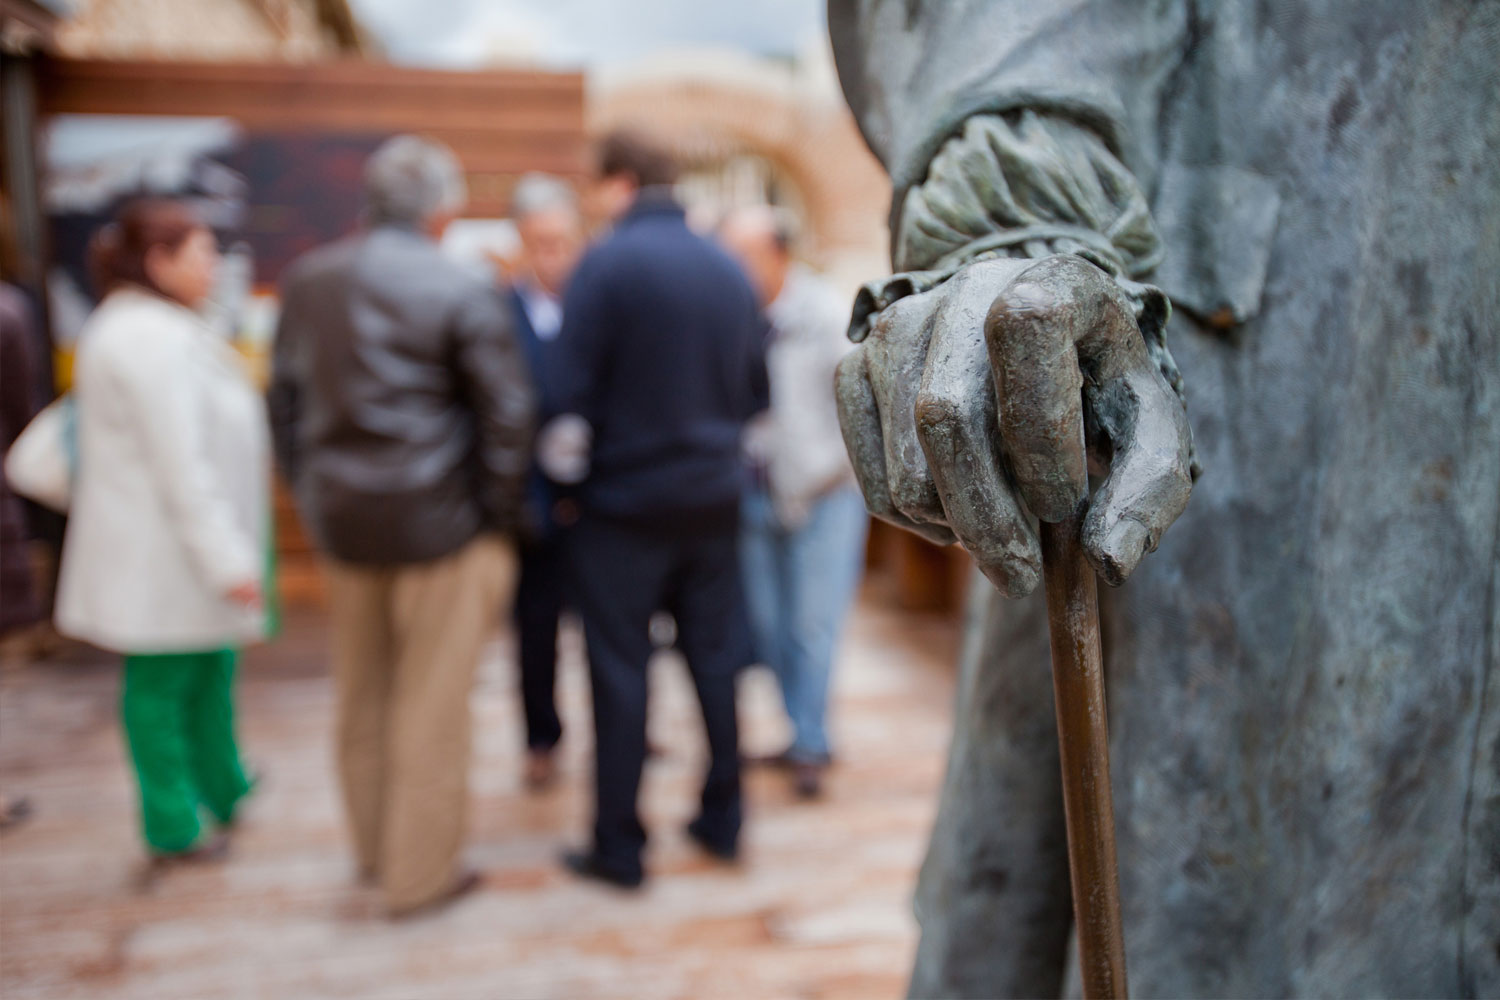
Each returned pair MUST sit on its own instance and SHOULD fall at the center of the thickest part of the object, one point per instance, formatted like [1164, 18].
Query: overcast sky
[584, 33]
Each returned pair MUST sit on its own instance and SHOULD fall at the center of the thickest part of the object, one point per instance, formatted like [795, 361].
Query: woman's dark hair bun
[117, 252]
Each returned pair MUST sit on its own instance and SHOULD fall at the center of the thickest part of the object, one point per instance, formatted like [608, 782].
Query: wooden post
[1083, 739]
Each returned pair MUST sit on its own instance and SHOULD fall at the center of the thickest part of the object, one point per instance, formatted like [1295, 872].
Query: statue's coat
[1302, 679]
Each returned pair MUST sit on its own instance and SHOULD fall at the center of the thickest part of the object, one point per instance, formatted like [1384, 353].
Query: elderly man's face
[751, 238]
[551, 241]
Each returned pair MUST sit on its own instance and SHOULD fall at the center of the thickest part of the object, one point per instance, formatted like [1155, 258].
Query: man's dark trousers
[622, 574]
[539, 604]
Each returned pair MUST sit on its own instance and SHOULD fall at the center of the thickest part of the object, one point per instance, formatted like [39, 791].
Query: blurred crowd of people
[639, 425]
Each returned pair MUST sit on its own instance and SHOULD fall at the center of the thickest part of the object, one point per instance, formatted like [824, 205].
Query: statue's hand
[966, 399]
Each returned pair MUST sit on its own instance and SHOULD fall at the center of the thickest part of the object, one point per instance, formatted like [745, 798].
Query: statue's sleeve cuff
[1026, 181]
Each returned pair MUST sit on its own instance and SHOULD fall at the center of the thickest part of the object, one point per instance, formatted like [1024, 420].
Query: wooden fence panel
[501, 123]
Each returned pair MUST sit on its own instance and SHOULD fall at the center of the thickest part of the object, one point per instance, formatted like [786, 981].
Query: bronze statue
[1303, 697]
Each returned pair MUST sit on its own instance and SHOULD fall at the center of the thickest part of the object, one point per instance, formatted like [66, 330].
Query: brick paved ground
[819, 909]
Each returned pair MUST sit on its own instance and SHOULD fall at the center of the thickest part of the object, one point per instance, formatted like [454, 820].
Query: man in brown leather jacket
[402, 409]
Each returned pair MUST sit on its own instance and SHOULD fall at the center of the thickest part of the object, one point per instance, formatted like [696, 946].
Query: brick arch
[814, 144]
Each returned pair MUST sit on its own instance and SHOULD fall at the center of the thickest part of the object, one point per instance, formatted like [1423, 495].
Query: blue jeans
[799, 585]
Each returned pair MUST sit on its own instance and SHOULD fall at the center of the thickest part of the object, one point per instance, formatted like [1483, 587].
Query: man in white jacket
[803, 522]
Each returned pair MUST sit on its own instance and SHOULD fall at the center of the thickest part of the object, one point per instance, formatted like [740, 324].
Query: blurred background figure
[20, 400]
[403, 412]
[545, 211]
[168, 531]
[663, 360]
[803, 525]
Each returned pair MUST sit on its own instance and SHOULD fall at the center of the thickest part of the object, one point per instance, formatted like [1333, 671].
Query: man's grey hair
[410, 179]
[779, 224]
[535, 193]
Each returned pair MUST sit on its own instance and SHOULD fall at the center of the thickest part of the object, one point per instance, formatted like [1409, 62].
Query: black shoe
[587, 864]
[786, 760]
[727, 851]
[776, 761]
[807, 780]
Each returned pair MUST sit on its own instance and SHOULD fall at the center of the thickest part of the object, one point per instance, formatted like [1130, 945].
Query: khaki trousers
[406, 641]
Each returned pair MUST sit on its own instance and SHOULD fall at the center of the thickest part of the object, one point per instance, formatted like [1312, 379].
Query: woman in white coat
[165, 552]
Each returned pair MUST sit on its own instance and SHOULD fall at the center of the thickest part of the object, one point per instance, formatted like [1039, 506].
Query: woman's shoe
[255, 779]
[209, 849]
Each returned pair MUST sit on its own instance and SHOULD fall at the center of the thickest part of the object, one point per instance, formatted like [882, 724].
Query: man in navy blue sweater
[662, 363]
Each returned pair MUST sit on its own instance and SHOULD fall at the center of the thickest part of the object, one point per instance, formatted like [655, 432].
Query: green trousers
[178, 711]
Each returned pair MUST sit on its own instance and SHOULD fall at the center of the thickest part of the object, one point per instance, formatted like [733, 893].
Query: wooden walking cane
[1083, 742]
